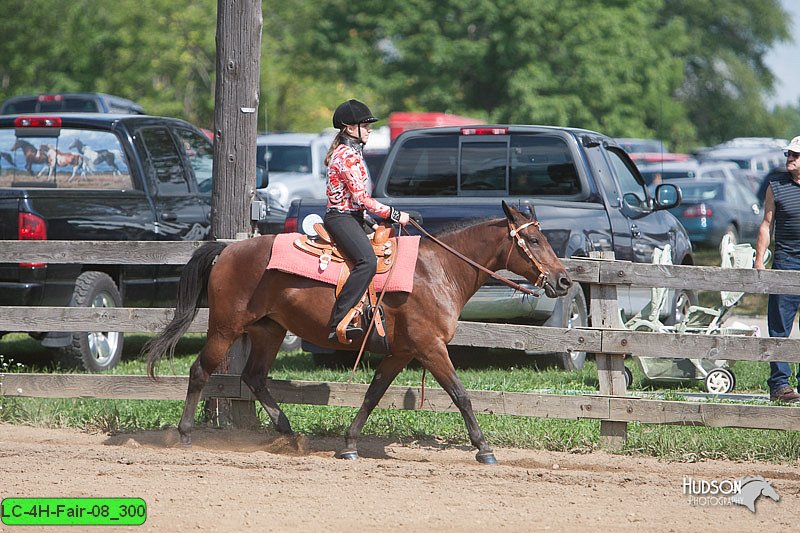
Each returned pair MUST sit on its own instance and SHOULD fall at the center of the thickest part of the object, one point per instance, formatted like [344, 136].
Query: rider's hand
[403, 218]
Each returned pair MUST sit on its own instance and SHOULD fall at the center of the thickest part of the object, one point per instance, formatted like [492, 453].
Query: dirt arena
[254, 481]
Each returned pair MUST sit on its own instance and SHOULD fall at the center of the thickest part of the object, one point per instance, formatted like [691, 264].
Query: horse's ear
[508, 211]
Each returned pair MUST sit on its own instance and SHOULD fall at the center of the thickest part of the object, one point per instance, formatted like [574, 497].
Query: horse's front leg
[384, 375]
[438, 363]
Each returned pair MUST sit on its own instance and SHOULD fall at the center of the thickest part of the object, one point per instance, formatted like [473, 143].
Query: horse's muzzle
[561, 286]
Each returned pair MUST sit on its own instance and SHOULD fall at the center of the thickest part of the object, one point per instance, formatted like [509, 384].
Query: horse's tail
[192, 287]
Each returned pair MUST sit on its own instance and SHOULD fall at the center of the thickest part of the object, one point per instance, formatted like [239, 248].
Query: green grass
[494, 372]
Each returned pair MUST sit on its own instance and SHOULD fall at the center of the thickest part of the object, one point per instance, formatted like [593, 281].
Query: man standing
[782, 214]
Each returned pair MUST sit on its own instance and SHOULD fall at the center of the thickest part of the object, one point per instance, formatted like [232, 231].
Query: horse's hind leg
[209, 359]
[439, 364]
[266, 337]
[384, 375]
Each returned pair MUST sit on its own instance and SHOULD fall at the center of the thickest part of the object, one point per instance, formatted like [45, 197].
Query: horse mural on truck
[92, 160]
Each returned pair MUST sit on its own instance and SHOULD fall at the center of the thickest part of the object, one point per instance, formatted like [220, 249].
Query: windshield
[701, 192]
[284, 158]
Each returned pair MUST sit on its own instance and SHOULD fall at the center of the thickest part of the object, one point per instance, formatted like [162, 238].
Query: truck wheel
[291, 342]
[336, 360]
[574, 314]
[684, 299]
[97, 350]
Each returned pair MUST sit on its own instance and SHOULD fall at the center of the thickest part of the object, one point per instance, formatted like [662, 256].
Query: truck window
[425, 166]
[483, 166]
[200, 154]
[165, 165]
[541, 165]
[633, 192]
[66, 158]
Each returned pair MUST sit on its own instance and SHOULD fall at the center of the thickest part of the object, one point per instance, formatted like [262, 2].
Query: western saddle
[384, 244]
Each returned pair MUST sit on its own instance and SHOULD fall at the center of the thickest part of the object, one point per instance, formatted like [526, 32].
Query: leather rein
[514, 233]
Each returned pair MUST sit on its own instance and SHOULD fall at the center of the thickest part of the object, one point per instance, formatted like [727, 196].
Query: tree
[533, 61]
[726, 77]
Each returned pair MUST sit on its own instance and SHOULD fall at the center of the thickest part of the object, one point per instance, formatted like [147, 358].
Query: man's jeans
[781, 312]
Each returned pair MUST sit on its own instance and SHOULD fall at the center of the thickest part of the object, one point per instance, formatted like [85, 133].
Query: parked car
[655, 173]
[641, 146]
[713, 207]
[70, 102]
[295, 164]
[759, 159]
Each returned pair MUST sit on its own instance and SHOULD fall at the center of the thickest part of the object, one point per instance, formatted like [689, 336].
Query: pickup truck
[585, 190]
[100, 176]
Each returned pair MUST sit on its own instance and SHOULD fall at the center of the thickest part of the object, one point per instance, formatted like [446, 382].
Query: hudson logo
[744, 491]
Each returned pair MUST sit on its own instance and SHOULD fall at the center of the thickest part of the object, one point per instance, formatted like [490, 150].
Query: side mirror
[262, 177]
[668, 196]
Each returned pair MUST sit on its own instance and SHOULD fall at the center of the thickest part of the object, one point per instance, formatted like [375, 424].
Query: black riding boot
[349, 233]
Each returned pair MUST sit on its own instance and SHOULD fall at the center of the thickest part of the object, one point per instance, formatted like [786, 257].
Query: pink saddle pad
[287, 258]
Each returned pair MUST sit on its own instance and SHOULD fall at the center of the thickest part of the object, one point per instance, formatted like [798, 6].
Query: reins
[540, 281]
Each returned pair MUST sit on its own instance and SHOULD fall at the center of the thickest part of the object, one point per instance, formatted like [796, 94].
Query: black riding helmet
[352, 112]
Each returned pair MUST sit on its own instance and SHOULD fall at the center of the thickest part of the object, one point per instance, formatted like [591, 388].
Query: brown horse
[244, 297]
[31, 154]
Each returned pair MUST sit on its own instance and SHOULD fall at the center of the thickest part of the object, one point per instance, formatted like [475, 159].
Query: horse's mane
[458, 225]
[25, 143]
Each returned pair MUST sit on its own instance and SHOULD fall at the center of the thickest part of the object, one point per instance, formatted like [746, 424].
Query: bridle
[514, 234]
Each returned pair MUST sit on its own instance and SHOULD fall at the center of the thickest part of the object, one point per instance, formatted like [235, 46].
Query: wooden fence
[613, 406]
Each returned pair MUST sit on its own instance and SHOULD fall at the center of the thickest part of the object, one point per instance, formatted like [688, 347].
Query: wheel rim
[719, 382]
[103, 344]
[575, 320]
[682, 304]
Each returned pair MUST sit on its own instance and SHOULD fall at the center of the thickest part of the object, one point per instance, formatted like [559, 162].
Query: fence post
[610, 367]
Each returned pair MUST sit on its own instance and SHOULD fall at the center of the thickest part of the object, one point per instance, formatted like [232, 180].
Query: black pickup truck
[586, 192]
[98, 176]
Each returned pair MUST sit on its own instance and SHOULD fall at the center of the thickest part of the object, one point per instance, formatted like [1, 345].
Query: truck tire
[571, 313]
[336, 360]
[684, 299]
[96, 351]
[291, 342]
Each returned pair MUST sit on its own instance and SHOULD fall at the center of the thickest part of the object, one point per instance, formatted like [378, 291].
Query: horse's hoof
[486, 458]
[350, 455]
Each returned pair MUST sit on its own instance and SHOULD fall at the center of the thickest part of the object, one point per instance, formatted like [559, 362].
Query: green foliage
[687, 71]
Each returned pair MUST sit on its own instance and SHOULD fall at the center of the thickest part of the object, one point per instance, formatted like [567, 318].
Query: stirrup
[351, 333]
[345, 330]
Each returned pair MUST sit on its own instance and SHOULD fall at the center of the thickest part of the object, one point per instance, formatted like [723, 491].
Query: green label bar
[73, 511]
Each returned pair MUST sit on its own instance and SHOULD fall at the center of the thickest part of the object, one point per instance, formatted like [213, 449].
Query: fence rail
[613, 406]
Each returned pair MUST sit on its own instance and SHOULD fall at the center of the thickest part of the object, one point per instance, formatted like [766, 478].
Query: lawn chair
[718, 378]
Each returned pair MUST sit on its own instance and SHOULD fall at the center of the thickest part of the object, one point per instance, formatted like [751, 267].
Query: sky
[784, 61]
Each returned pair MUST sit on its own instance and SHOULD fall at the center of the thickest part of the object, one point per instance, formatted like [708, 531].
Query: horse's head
[531, 249]
[20, 144]
[76, 144]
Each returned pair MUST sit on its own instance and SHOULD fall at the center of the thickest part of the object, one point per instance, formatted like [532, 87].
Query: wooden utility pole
[239, 24]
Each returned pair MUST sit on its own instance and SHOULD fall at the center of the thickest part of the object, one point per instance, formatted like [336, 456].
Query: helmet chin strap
[359, 139]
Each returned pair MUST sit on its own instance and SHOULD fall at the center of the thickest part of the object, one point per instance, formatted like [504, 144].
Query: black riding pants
[350, 234]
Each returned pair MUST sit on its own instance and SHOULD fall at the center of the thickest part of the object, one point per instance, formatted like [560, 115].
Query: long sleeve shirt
[348, 179]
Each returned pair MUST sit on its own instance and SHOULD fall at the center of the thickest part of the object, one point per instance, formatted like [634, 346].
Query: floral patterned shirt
[348, 179]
